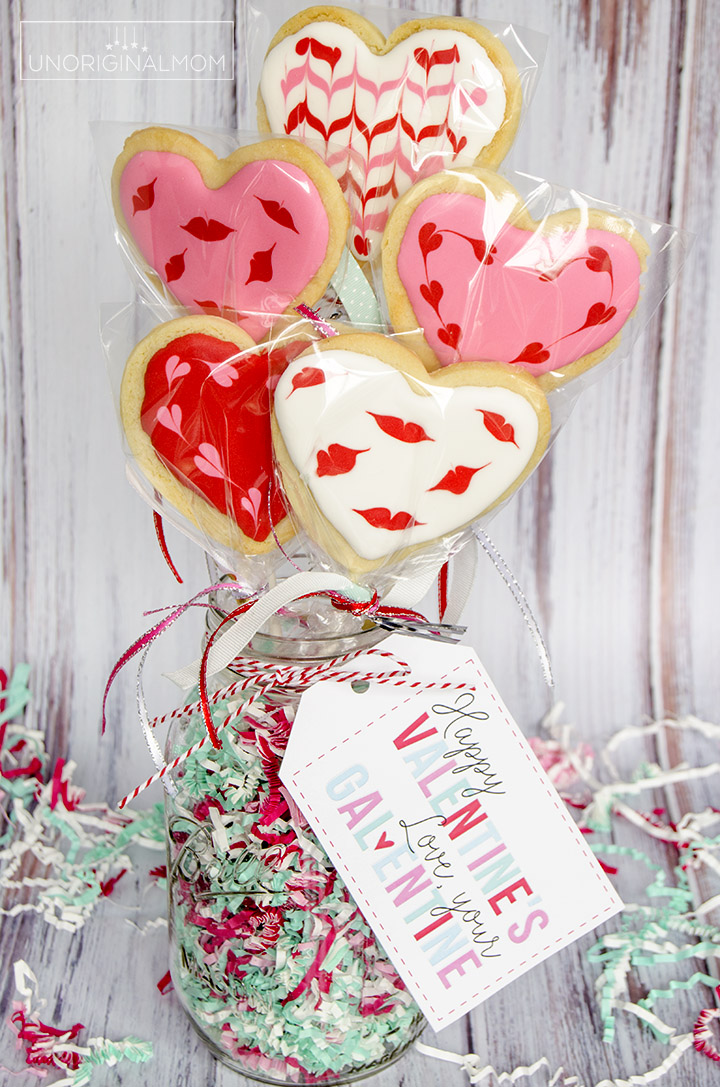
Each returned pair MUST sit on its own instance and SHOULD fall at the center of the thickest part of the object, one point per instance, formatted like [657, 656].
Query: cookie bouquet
[355, 340]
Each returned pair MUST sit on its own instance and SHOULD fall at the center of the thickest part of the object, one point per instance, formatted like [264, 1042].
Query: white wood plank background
[614, 540]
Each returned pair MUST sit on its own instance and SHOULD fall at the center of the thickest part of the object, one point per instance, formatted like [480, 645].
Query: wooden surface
[613, 540]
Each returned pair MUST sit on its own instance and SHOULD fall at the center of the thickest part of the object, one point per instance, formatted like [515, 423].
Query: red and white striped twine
[260, 673]
[270, 678]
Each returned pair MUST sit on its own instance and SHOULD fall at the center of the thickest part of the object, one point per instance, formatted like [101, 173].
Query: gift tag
[444, 826]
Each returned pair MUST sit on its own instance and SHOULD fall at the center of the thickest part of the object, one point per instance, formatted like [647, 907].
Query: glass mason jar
[272, 960]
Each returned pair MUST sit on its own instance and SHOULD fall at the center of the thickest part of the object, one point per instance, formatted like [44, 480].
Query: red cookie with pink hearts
[379, 458]
[247, 237]
[466, 265]
[195, 407]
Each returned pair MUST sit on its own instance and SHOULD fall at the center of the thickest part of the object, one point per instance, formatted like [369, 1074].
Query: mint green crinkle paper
[271, 957]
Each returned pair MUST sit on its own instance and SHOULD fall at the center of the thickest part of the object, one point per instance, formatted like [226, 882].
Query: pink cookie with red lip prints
[379, 458]
[465, 263]
[247, 237]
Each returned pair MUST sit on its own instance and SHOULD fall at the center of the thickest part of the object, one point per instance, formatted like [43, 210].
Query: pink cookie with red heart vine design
[247, 237]
[380, 458]
[195, 407]
[465, 263]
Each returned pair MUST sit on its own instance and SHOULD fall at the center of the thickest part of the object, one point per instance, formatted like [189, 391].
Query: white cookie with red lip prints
[379, 458]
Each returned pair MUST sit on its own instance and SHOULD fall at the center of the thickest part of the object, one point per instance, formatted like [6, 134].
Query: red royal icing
[336, 460]
[382, 517]
[457, 480]
[400, 429]
[206, 411]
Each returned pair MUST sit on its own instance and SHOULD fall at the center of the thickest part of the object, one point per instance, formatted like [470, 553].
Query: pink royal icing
[247, 248]
[485, 290]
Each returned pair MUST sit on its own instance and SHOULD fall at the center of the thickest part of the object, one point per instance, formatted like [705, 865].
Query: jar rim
[353, 633]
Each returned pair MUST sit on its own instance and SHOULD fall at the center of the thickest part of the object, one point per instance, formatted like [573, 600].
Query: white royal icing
[393, 474]
[466, 97]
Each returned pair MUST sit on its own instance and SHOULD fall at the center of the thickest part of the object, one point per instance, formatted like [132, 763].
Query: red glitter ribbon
[160, 533]
[257, 675]
[443, 590]
[371, 608]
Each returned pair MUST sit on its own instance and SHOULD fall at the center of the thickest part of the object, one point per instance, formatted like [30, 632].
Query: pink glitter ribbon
[146, 639]
[322, 326]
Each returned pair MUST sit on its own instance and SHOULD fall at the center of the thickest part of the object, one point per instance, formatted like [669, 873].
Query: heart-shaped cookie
[389, 111]
[195, 406]
[379, 457]
[246, 237]
[465, 263]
